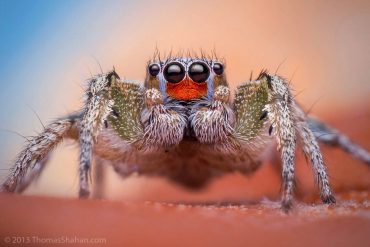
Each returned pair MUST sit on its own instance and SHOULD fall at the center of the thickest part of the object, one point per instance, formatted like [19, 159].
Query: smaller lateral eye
[218, 68]
[154, 69]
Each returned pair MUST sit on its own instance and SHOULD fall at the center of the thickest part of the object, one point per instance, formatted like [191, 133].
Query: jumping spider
[183, 125]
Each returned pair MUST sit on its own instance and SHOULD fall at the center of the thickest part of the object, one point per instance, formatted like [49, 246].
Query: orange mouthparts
[186, 90]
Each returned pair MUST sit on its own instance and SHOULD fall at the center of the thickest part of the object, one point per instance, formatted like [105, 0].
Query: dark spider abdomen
[190, 164]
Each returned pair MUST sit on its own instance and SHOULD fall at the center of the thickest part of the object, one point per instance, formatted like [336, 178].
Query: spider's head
[186, 78]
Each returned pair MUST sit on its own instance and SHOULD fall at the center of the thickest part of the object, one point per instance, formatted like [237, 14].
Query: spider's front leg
[280, 114]
[139, 118]
[287, 123]
[268, 103]
[97, 108]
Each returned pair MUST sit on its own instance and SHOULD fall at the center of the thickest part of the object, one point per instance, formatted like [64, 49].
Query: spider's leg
[138, 117]
[334, 138]
[269, 101]
[97, 108]
[288, 122]
[32, 158]
[280, 113]
[264, 106]
[312, 151]
[33, 174]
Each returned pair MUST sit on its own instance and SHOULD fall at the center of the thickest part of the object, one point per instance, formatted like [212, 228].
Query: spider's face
[186, 78]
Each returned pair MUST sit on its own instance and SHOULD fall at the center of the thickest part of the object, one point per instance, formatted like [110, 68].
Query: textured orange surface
[169, 224]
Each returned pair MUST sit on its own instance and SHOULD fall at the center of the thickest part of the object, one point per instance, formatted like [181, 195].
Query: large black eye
[154, 69]
[199, 72]
[218, 68]
[174, 72]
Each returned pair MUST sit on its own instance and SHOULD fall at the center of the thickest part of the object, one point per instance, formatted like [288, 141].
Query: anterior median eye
[199, 72]
[218, 68]
[154, 69]
[174, 72]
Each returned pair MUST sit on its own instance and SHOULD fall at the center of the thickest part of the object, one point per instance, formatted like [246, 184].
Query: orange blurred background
[322, 45]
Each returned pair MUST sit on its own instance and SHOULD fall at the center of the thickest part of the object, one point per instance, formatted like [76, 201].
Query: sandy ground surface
[232, 211]
[40, 221]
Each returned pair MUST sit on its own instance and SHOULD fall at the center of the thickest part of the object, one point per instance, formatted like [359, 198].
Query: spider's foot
[287, 205]
[5, 189]
[8, 187]
[84, 193]
[328, 199]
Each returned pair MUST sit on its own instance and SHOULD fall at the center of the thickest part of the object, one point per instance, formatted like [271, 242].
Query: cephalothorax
[182, 124]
